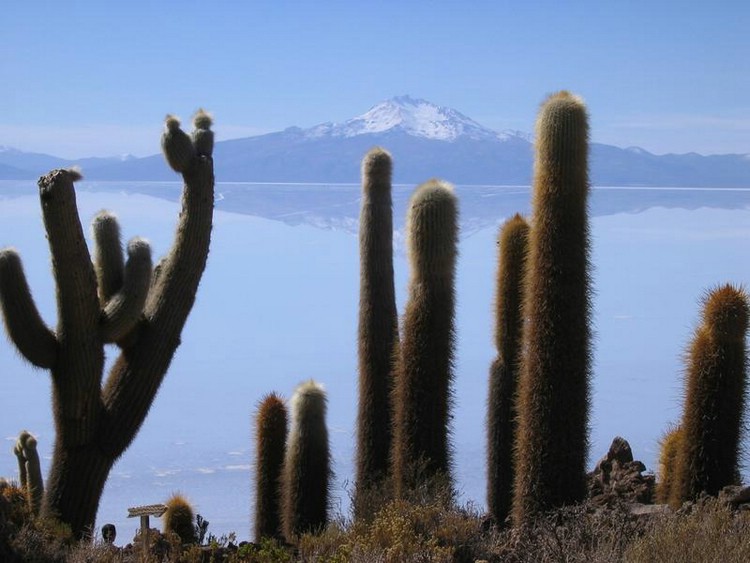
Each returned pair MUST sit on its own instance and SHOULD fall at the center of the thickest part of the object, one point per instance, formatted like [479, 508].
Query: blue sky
[85, 78]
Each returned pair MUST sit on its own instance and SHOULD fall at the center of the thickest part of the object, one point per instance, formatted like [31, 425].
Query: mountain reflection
[336, 206]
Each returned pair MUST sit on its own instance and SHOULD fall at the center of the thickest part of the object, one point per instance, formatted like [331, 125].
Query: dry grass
[433, 531]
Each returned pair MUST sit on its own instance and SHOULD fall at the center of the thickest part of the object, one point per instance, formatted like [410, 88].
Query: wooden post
[144, 512]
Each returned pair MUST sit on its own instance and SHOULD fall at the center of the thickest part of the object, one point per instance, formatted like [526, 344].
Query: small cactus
[179, 519]
[307, 473]
[668, 451]
[716, 386]
[271, 429]
[29, 469]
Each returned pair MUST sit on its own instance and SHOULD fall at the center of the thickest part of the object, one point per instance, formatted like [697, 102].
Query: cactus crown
[74, 173]
[139, 247]
[270, 404]
[105, 219]
[172, 122]
[202, 119]
[725, 312]
[432, 227]
[562, 132]
[308, 398]
[377, 164]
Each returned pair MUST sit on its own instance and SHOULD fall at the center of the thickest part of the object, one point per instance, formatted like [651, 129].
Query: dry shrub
[710, 531]
[401, 531]
[571, 534]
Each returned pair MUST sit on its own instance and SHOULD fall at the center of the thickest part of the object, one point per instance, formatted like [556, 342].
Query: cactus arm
[77, 301]
[136, 376]
[24, 324]
[124, 309]
[108, 258]
[173, 294]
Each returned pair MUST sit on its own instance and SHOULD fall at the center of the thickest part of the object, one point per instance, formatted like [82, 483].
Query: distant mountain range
[425, 140]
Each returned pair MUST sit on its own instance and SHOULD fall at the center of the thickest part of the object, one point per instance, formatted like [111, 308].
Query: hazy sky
[86, 78]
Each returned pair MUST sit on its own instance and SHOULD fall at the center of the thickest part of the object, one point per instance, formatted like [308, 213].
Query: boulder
[619, 478]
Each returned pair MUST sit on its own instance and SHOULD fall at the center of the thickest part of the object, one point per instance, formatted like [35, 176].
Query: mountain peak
[413, 116]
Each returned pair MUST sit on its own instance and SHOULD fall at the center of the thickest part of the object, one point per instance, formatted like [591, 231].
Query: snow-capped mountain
[426, 140]
[413, 116]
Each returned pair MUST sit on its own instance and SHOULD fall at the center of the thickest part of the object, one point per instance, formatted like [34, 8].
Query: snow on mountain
[413, 116]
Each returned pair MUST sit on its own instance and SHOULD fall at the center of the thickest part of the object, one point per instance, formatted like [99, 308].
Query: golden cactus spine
[422, 393]
[270, 443]
[378, 322]
[716, 387]
[501, 410]
[669, 449]
[553, 403]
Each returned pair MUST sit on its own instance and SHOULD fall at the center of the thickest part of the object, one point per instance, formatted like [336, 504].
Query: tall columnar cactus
[29, 470]
[307, 473]
[271, 429]
[179, 519]
[669, 449]
[108, 301]
[716, 386]
[501, 411]
[378, 321]
[553, 400]
[422, 393]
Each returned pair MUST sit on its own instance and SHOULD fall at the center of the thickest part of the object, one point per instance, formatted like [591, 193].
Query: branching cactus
[378, 321]
[553, 400]
[107, 300]
[307, 464]
[29, 470]
[716, 388]
[270, 443]
[501, 411]
[422, 394]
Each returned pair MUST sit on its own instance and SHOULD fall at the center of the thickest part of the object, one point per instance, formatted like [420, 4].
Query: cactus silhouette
[110, 301]
[307, 473]
[378, 321]
[422, 392]
[553, 400]
[714, 397]
[501, 412]
[271, 429]
[668, 451]
[29, 470]
[179, 519]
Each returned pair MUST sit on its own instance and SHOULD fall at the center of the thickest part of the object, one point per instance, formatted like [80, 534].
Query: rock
[617, 477]
[735, 495]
